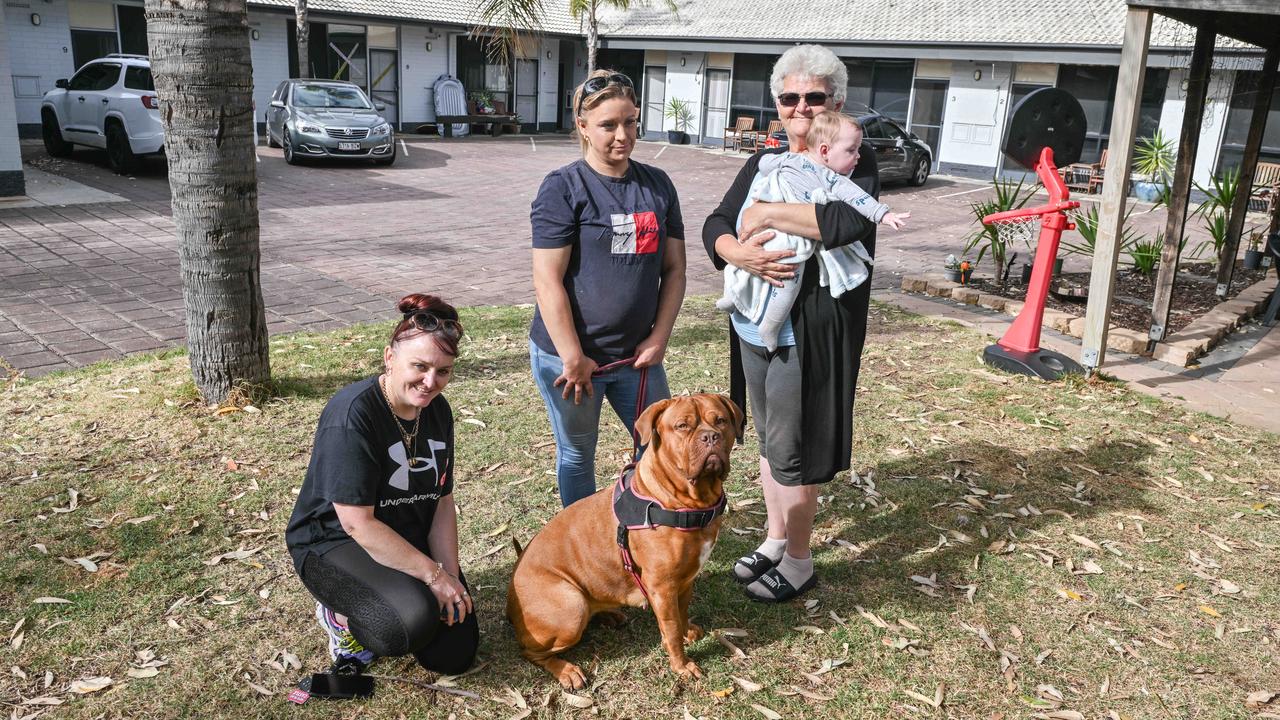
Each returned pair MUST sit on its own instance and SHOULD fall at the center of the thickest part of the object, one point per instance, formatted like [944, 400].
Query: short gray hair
[811, 61]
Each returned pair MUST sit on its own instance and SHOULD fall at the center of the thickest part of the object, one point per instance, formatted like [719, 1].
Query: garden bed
[1193, 294]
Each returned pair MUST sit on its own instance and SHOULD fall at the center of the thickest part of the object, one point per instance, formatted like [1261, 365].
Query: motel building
[950, 73]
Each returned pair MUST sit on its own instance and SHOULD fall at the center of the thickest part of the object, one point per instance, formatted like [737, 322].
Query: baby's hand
[895, 220]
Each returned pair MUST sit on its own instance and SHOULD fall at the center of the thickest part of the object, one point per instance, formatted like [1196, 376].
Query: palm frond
[507, 27]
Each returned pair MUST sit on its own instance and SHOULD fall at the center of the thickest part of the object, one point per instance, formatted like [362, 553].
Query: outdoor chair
[1266, 187]
[733, 135]
[1085, 177]
[755, 138]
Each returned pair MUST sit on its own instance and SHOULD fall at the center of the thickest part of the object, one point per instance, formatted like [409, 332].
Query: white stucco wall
[974, 119]
[10, 149]
[38, 56]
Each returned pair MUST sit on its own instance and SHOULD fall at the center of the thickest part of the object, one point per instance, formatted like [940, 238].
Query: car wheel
[388, 160]
[921, 172]
[271, 141]
[289, 156]
[54, 144]
[119, 153]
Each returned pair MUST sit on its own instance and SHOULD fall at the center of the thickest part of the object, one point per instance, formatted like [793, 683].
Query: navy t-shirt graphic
[635, 234]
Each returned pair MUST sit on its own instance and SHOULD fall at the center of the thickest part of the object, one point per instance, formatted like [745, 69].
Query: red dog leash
[644, 386]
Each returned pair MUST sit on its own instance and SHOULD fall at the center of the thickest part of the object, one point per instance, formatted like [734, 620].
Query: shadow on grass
[903, 541]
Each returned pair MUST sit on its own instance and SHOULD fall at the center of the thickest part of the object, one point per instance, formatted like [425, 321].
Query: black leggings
[389, 612]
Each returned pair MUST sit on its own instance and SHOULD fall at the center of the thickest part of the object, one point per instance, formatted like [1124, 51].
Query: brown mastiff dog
[574, 567]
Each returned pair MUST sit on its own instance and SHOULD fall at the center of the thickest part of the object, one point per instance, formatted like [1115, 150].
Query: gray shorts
[773, 387]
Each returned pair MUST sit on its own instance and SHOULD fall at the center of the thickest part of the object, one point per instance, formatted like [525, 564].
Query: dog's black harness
[636, 512]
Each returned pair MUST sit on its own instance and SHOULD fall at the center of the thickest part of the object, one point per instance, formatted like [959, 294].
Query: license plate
[348, 146]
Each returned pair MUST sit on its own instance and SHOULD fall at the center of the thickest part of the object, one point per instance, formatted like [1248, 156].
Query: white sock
[773, 548]
[796, 571]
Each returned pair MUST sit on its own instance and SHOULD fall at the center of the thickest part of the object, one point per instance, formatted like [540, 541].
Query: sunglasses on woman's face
[813, 99]
[596, 84]
[429, 322]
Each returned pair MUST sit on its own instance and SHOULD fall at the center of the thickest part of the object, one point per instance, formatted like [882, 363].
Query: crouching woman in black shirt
[374, 534]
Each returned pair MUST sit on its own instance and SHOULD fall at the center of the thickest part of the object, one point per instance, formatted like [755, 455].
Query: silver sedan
[328, 119]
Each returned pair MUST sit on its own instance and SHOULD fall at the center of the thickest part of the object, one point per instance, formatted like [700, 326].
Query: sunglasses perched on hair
[430, 322]
[815, 99]
[596, 84]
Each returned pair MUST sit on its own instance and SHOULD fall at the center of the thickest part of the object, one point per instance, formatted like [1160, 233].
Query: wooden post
[1115, 185]
[1179, 194]
[1248, 166]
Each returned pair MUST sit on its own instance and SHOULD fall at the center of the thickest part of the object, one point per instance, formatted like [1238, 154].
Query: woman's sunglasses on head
[430, 322]
[814, 99]
[596, 84]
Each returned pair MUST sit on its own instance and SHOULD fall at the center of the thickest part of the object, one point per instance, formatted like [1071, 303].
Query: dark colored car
[901, 155]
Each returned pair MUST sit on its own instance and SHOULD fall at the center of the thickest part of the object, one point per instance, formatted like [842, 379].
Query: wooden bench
[495, 122]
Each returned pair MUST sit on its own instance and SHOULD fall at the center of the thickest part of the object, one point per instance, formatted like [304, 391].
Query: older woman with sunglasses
[802, 393]
[374, 533]
[609, 274]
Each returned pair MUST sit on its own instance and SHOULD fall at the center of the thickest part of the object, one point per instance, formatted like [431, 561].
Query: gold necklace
[407, 438]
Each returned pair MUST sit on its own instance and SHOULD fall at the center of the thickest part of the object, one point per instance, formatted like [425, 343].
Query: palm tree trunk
[593, 40]
[304, 41]
[204, 78]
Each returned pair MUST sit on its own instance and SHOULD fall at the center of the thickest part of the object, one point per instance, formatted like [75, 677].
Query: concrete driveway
[340, 242]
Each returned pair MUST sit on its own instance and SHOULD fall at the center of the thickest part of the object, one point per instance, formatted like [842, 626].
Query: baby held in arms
[817, 175]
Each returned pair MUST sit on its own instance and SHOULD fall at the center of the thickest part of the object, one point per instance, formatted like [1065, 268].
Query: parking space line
[533, 145]
[664, 149]
[964, 192]
[404, 147]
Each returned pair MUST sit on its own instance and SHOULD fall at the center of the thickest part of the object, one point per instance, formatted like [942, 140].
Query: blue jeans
[576, 427]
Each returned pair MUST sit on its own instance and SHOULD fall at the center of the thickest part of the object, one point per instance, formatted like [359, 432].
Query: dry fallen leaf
[771, 715]
[43, 701]
[50, 601]
[1085, 542]
[258, 688]
[577, 701]
[147, 672]
[747, 684]
[1258, 698]
[1210, 611]
[90, 685]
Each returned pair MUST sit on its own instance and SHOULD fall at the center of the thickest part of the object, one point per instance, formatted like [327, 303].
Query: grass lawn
[1004, 548]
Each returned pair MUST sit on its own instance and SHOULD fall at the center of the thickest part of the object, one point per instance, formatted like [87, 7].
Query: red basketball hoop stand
[1019, 350]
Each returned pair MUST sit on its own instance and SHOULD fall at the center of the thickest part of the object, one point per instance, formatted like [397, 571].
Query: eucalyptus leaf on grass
[974, 480]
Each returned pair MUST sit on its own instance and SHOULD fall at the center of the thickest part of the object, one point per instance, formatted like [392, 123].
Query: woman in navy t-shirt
[609, 273]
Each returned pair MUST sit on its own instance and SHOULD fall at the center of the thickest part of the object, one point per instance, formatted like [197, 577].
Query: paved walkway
[340, 243]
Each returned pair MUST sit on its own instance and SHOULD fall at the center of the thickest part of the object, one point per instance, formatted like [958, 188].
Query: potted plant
[1008, 196]
[483, 100]
[680, 112]
[957, 270]
[1153, 159]
[1253, 253]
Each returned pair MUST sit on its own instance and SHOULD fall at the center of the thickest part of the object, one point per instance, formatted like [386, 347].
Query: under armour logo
[400, 478]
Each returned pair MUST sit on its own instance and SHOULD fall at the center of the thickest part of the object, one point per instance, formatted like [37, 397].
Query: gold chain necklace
[408, 438]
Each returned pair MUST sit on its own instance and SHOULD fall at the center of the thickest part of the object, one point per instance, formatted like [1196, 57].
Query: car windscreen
[139, 78]
[329, 96]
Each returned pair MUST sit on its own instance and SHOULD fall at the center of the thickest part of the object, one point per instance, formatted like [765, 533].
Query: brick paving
[82, 283]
